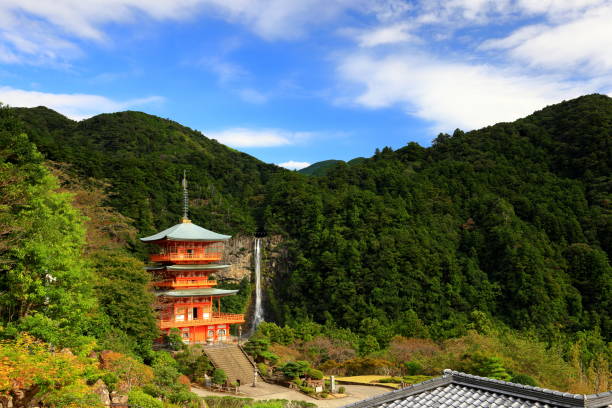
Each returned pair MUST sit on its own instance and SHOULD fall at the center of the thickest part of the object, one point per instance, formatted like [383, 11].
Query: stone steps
[233, 361]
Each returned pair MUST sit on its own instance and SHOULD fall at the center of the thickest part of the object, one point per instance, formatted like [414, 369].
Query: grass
[375, 379]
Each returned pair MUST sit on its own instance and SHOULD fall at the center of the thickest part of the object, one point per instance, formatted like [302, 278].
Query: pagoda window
[221, 332]
[195, 312]
[206, 315]
[211, 333]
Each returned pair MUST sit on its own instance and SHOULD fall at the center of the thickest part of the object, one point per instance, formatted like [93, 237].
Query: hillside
[142, 157]
[512, 220]
[320, 168]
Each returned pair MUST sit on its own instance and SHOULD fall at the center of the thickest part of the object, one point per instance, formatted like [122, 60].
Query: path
[265, 391]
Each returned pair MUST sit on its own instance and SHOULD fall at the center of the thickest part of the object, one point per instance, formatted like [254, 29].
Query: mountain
[512, 220]
[323, 167]
[320, 168]
[143, 158]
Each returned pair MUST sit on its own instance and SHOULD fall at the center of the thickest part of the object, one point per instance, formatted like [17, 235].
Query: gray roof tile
[461, 390]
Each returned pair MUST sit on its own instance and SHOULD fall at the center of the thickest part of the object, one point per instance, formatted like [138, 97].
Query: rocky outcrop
[239, 254]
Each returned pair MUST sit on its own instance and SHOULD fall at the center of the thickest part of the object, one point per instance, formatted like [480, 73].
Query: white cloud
[460, 12]
[74, 106]
[584, 42]
[226, 71]
[294, 165]
[244, 137]
[558, 8]
[393, 34]
[35, 31]
[450, 94]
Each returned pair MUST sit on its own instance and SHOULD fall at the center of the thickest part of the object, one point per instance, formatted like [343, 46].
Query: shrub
[315, 374]
[324, 395]
[266, 404]
[491, 367]
[341, 390]
[139, 398]
[524, 379]
[184, 398]
[368, 366]
[307, 390]
[263, 369]
[227, 402]
[295, 369]
[332, 367]
[413, 368]
[219, 376]
[174, 340]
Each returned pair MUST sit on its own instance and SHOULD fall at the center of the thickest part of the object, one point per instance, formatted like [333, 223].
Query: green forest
[498, 239]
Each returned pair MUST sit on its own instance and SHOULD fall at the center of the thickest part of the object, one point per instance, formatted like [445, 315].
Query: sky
[294, 82]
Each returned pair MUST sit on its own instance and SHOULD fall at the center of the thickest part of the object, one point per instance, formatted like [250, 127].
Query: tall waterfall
[258, 315]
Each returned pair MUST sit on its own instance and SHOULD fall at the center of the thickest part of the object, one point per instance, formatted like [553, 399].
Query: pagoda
[187, 298]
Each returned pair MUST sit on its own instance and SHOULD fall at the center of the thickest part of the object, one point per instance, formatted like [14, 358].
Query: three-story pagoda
[188, 299]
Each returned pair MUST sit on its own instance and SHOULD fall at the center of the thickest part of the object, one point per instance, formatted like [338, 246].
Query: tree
[43, 270]
[219, 376]
[295, 369]
[30, 373]
[491, 367]
[130, 372]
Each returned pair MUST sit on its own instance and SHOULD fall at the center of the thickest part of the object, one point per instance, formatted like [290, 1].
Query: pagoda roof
[186, 231]
[197, 292]
[186, 267]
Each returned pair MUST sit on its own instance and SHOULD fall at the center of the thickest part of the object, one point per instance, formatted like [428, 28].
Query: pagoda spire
[185, 199]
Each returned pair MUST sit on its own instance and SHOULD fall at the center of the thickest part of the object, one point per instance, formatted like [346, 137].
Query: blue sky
[293, 82]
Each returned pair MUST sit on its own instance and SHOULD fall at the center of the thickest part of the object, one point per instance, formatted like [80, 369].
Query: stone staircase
[233, 360]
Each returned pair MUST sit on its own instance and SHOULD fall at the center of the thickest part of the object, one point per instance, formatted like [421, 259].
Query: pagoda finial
[185, 198]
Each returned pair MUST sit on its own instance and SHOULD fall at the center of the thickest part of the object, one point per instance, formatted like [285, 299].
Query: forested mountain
[512, 220]
[141, 156]
[320, 168]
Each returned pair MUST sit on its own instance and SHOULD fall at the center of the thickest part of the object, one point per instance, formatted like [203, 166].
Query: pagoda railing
[185, 283]
[215, 318]
[173, 257]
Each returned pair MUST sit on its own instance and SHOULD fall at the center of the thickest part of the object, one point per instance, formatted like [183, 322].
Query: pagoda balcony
[186, 284]
[216, 318]
[194, 257]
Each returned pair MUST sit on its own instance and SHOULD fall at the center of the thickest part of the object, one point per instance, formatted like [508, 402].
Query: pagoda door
[200, 334]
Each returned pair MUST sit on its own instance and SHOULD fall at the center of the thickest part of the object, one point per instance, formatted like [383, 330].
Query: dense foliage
[70, 291]
[141, 155]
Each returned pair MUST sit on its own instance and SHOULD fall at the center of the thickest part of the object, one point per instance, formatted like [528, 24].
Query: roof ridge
[402, 392]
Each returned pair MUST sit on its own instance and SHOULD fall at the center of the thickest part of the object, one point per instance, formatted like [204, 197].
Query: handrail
[204, 256]
[178, 284]
[215, 318]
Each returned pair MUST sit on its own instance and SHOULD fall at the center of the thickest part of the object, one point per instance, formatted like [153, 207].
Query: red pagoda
[188, 299]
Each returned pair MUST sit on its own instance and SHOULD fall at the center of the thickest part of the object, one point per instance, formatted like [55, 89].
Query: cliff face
[239, 252]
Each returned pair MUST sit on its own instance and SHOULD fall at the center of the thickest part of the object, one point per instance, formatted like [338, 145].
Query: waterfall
[258, 315]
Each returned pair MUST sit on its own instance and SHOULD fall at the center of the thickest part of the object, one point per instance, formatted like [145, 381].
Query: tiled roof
[186, 267]
[459, 390]
[197, 292]
[186, 231]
